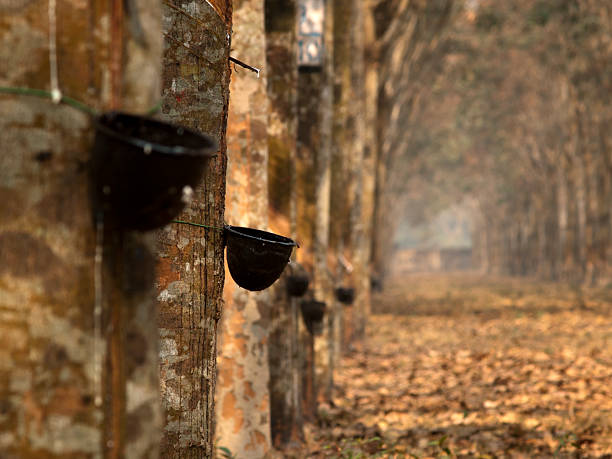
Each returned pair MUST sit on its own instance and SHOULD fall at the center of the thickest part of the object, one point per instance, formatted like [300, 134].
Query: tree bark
[363, 170]
[190, 264]
[307, 142]
[324, 356]
[313, 188]
[243, 415]
[281, 60]
[342, 180]
[78, 360]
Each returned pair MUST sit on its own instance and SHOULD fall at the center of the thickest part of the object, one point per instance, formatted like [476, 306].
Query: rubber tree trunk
[308, 138]
[323, 287]
[76, 380]
[243, 416]
[315, 111]
[342, 184]
[350, 105]
[365, 44]
[190, 263]
[562, 222]
[581, 206]
[281, 60]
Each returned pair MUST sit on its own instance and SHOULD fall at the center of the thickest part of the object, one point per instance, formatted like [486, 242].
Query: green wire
[65, 99]
[47, 95]
[153, 110]
[196, 224]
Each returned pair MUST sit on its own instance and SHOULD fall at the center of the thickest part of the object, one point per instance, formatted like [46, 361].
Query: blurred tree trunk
[66, 391]
[347, 231]
[371, 153]
[309, 84]
[342, 187]
[313, 193]
[190, 264]
[281, 60]
[243, 415]
[581, 215]
[363, 169]
[562, 221]
[322, 282]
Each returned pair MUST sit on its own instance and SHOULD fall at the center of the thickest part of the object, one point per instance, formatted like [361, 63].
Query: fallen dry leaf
[461, 366]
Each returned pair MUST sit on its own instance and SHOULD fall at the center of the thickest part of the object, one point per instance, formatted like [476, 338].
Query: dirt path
[458, 367]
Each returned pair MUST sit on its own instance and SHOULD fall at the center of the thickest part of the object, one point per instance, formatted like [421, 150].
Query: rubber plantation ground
[469, 367]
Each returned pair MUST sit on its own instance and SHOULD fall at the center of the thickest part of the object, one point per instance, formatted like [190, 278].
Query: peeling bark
[243, 415]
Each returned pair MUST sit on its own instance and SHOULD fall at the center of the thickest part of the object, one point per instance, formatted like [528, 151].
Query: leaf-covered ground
[460, 366]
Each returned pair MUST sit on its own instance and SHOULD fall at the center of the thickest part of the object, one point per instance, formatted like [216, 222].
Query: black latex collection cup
[345, 295]
[256, 258]
[313, 312]
[297, 284]
[144, 170]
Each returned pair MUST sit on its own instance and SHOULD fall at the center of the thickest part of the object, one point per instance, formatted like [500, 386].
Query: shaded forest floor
[461, 366]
